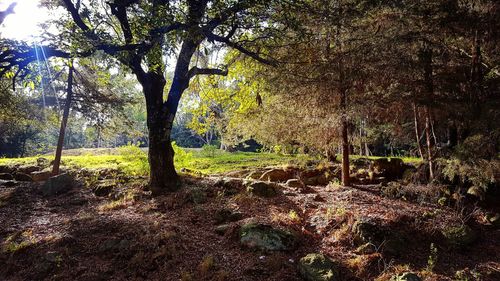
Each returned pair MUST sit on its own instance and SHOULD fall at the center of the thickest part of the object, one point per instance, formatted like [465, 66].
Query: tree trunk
[162, 174]
[64, 122]
[428, 136]
[426, 57]
[417, 130]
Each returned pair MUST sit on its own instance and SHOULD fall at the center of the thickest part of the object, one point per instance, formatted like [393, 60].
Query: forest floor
[133, 236]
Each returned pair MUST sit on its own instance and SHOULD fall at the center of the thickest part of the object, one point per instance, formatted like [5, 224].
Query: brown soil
[78, 236]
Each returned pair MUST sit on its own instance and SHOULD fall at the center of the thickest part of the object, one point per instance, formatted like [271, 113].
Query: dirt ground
[79, 236]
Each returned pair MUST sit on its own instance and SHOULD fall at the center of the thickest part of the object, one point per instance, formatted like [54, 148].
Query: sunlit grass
[133, 161]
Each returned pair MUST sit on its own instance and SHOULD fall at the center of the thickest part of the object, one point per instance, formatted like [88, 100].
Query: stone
[477, 192]
[407, 276]
[104, 187]
[42, 162]
[493, 219]
[226, 215]
[266, 238]
[318, 267]
[461, 235]
[28, 169]
[276, 175]
[57, 185]
[222, 229]
[391, 168]
[366, 230]
[41, 175]
[262, 189]
[295, 183]
[20, 176]
[6, 176]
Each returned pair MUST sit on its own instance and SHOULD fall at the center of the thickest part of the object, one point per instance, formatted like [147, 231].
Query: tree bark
[64, 122]
[346, 181]
[162, 174]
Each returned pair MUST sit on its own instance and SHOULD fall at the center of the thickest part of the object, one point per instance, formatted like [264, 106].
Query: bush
[474, 162]
[181, 158]
[209, 150]
[136, 160]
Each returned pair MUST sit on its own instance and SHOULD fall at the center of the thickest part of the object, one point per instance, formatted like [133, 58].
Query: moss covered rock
[266, 238]
[461, 235]
[262, 189]
[318, 267]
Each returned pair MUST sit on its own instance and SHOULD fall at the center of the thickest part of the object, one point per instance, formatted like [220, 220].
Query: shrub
[209, 150]
[182, 158]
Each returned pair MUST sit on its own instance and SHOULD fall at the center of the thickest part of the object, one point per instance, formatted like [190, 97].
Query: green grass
[133, 160]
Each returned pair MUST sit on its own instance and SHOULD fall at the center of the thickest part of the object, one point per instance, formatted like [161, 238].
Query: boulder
[459, 236]
[366, 230]
[477, 192]
[103, 187]
[226, 215]
[20, 176]
[42, 162]
[277, 175]
[41, 175]
[391, 168]
[262, 189]
[6, 176]
[295, 183]
[318, 267]
[28, 169]
[266, 238]
[57, 185]
[407, 276]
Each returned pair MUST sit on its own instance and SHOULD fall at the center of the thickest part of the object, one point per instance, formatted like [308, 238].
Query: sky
[23, 24]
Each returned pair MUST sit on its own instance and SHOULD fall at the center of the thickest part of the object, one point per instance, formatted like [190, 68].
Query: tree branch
[206, 71]
[234, 45]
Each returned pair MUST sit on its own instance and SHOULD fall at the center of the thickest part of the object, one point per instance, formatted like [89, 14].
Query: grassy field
[133, 160]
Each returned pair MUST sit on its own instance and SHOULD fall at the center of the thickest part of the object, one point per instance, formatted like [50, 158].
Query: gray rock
[57, 185]
[20, 176]
[266, 238]
[262, 189]
[318, 267]
[226, 215]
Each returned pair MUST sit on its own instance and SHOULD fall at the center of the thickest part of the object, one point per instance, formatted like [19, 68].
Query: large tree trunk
[162, 177]
[346, 181]
[64, 122]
